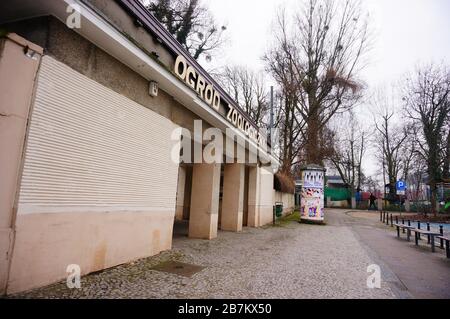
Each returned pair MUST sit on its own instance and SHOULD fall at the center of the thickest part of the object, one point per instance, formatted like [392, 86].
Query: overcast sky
[407, 32]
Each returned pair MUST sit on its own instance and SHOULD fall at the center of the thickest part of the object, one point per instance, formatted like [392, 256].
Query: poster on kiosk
[312, 196]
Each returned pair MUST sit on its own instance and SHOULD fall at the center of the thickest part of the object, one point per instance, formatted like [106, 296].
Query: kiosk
[312, 195]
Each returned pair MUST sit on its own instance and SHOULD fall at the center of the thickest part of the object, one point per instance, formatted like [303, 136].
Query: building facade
[98, 103]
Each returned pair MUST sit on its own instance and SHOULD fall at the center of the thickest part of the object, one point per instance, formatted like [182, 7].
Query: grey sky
[407, 32]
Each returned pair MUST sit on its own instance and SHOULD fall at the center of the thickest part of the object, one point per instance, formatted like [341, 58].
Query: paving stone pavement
[289, 261]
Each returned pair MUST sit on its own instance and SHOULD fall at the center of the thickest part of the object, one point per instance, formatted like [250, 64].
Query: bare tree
[427, 102]
[446, 165]
[350, 145]
[319, 55]
[290, 125]
[369, 184]
[413, 165]
[288, 122]
[249, 91]
[191, 24]
[389, 139]
[290, 130]
[409, 151]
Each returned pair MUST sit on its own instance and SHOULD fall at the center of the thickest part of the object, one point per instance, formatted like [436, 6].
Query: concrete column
[17, 78]
[253, 196]
[233, 197]
[204, 201]
[407, 205]
[187, 193]
[266, 196]
[380, 204]
[180, 193]
[353, 202]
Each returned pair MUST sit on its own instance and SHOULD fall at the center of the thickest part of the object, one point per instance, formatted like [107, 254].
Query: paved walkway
[422, 274]
[289, 261]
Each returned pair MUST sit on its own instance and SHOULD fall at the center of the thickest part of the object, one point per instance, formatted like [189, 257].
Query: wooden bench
[403, 226]
[447, 244]
[431, 234]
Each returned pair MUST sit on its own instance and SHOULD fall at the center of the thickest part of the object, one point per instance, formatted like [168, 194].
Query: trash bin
[279, 209]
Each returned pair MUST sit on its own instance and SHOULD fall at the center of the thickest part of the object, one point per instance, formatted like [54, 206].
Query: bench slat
[425, 232]
[404, 226]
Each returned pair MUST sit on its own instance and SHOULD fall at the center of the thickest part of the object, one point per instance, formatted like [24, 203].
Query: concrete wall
[17, 73]
[266, 196]
[287, 199]
[204, 211]
[47, 243]
[121, 214]
[181, 189]
[338, 204]
[183, 205]
[68, 47]
[233, 197]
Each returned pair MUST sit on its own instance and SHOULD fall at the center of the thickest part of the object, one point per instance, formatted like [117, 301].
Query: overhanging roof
[152, 25]
[107, 37]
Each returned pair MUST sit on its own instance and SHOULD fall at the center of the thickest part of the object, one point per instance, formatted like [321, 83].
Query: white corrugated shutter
[90, 147]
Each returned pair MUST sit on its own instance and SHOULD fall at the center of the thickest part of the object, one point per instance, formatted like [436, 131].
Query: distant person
[372, 199]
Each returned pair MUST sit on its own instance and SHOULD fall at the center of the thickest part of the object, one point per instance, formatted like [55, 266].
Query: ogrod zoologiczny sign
[212, 97]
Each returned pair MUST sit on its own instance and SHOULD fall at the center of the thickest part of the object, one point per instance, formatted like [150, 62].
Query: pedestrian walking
[372, 201]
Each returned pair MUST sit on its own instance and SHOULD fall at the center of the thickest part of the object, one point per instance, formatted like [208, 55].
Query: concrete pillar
[180, 193]
[407, 205]
[18, 70]
[353, 202]
[233, 197]
[204, 211]
[380, 204]
[187, 193]
[253, 196]
[266, 196]
[245, 208]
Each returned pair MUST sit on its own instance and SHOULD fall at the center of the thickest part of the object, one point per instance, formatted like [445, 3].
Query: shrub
[283, 183]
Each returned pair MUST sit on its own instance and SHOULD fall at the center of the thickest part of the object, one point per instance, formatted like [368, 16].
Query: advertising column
[312, 196]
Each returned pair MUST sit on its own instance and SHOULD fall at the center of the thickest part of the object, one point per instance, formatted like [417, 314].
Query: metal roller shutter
[90, 147]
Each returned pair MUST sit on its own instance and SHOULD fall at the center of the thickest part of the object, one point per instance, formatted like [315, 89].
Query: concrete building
[92, 94]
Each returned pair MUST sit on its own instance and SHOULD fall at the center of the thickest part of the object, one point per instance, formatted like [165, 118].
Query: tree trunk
[312, 147]
[446, 166]
[433, 197]
[392, 190]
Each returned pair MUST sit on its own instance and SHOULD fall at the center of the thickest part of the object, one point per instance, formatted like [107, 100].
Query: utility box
[312, 195]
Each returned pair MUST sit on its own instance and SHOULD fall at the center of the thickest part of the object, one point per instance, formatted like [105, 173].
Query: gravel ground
[289, 261]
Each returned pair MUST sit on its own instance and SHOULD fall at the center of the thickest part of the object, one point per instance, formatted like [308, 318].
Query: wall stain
[100, 256]
[156, 240]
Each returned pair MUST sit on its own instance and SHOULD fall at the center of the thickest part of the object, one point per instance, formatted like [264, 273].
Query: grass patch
[285, 220]
[295, 217]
